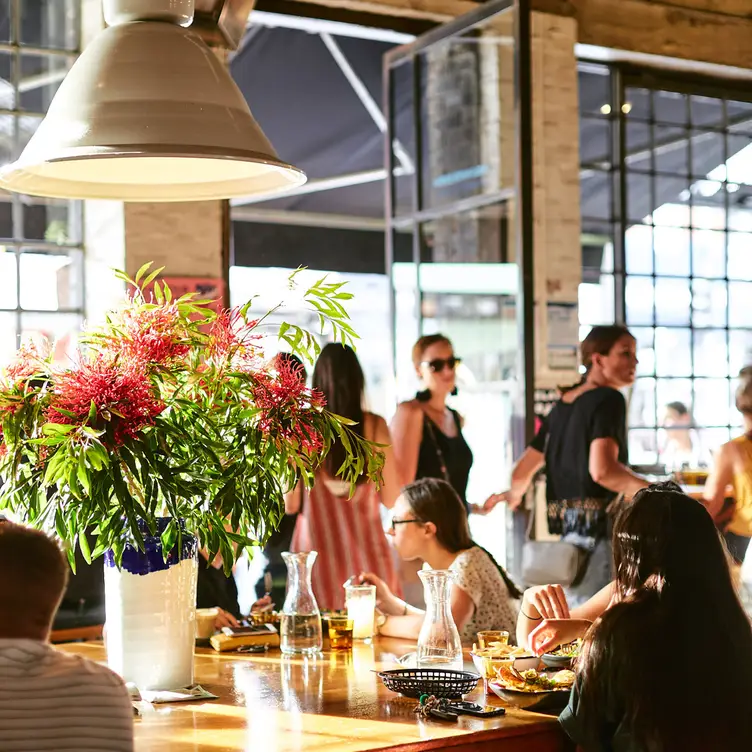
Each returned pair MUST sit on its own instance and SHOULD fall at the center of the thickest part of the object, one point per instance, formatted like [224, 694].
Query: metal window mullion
[389, 204]
[729, 376]
[691, 230]
[418, 198]
[618, 197]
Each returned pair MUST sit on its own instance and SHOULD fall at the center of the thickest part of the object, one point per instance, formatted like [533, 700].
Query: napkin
[185, 694]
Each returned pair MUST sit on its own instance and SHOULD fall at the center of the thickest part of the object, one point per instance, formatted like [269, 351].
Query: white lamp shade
[148, 113]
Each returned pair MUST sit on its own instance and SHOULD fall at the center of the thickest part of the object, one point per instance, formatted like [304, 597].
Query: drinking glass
[361, 608]
[340, 633]
[488, 636]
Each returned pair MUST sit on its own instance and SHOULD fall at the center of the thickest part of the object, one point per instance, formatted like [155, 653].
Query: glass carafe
[300, 625]
[439, 643]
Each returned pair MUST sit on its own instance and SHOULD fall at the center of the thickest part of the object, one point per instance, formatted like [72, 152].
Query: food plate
[550, 660]
[541, 701]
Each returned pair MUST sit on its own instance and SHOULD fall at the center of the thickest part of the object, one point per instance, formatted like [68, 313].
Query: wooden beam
[308, 9]
[437, 11]
[663, 29]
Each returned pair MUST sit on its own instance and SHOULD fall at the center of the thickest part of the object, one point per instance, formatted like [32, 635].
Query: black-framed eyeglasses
[396, 522]
[439, 364]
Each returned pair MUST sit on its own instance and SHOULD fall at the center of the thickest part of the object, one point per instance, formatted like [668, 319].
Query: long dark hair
[599, 341]
[338, 375]
[677, 646]
[434, 500]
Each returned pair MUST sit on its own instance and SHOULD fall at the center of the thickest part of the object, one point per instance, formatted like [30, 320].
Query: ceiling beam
[436, 11]
[684, 29]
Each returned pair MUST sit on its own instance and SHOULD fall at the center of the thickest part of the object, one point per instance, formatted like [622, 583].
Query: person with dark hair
[682, 444]
[347, 532]
[428, 440]
[636, 688]
[430, 524]
[281, 539]
[50, 700]
[583, 445]
[733, 467]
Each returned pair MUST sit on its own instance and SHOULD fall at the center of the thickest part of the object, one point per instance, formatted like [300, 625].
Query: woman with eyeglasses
[429, 524]
[427, 433]
[347, 532]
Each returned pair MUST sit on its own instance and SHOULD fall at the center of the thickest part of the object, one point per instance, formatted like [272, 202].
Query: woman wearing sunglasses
[429, 524]
[427, 434]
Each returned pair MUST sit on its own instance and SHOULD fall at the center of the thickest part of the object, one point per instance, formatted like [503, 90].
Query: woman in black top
[583, 444]
[426, 433]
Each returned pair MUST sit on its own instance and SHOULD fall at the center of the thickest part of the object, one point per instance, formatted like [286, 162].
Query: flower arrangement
[170, 410]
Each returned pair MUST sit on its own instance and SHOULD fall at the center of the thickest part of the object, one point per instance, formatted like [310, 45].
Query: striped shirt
[50, 700]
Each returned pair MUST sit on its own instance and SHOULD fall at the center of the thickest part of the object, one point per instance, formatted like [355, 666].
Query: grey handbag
[551, 562]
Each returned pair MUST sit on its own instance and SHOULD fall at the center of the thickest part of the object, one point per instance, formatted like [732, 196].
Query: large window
[41, 256]
[666, 185]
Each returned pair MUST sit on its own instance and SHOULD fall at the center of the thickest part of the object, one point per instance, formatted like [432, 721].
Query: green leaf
[92, 412]
[152, 276]
[56, 429]
[83, 544]
[83, 473]
[140, 273]
[158, 293]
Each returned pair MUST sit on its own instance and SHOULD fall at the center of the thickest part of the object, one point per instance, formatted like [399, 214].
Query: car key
[474, 710]
[443, 715]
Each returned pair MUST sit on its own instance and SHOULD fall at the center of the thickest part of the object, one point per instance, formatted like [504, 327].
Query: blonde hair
[744, 391]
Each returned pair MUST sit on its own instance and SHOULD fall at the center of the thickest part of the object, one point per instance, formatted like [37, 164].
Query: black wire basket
[414, 682]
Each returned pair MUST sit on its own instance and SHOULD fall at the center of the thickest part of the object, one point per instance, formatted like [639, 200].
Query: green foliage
[225, 436]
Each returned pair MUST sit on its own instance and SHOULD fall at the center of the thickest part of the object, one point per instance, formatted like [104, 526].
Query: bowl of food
[488, 659]
[533, 690]
[563, 656]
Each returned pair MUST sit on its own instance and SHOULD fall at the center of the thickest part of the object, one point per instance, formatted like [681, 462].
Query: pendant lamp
[148, 113]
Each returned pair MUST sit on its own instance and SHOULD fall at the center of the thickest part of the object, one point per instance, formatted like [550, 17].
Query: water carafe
[300, 624]
[439, 643]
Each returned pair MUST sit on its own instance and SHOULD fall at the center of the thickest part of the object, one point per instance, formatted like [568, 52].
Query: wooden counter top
[334, 702]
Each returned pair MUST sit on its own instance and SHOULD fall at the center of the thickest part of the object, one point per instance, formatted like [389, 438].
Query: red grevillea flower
[231, 339]
[151, 335]
[288, 406]
[120, 390]
[26, 362]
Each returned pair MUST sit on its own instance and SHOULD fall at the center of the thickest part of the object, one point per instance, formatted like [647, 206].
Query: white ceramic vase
[151, 613]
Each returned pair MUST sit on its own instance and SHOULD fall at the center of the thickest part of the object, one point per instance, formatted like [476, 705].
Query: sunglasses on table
[396, 522]
[441, 363]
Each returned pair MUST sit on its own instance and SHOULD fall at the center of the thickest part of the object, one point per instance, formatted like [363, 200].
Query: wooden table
[334, 702]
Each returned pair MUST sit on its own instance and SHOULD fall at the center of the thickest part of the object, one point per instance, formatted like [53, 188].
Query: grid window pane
[639, 299]
[708, 253]
[639, 250]
[51, 281]
[642, 404]
[52, 24]
[686, 161]
[711, 352]
[673, 355]
[595, 140]
[41, 259]
[740, 304]
[8, 282]
[645, 350]
[740, 255]
[709, 303]
[740, 350]
[671, 251]
[672, 302]
[643, 446]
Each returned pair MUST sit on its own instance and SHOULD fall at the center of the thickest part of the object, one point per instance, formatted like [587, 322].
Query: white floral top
[477, 574]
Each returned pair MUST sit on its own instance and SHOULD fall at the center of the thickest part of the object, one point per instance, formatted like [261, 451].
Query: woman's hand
[554, 632]
[386, 600]
[224, 619]
[262, 604]
[510, 498]
[547, 601]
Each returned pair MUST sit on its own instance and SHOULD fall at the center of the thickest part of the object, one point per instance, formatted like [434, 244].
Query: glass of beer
[340, 633]
[492, 635]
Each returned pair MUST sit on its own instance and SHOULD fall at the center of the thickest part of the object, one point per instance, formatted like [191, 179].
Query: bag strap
[435, 439]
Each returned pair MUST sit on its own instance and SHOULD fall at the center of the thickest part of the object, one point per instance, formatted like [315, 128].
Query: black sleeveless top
[437, 451]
